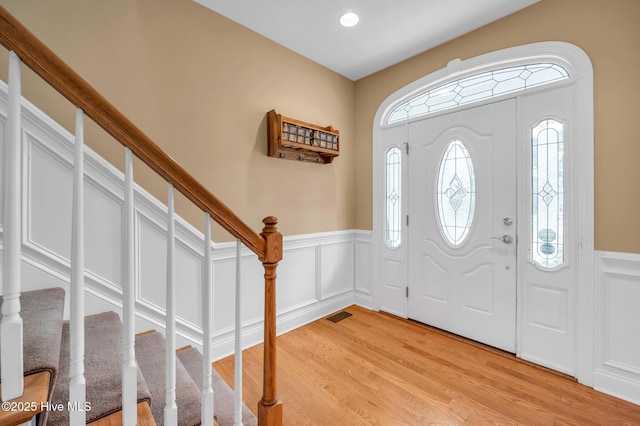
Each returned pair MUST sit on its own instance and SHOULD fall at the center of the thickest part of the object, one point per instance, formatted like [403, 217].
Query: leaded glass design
[478, 87]
[456, 193]
[547, 194]
[393, 226]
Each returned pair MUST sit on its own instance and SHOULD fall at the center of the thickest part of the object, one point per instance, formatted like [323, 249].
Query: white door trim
[574, 60]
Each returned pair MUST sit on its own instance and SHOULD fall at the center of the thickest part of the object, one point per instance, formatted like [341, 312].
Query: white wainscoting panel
[336, 268]
[103, 212]
[47, 218]
[152, 255]
[297, 272]
[224, 275]
[617, 370]
[189, 276]
[364, 285]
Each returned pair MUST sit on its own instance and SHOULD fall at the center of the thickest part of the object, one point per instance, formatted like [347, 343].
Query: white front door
[462, 223]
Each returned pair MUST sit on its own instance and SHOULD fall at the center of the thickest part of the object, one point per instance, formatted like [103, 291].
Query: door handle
[507, 239]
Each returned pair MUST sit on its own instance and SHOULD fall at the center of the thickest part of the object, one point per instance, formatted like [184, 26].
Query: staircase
[95, 369]
[46, 340]
[47, 351]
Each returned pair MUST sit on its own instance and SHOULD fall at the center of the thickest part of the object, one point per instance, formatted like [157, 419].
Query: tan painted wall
[199, 85]
[609, 32]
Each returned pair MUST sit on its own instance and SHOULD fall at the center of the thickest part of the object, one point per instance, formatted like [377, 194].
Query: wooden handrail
[37, 56]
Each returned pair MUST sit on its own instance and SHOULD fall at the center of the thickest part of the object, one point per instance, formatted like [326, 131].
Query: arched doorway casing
[574, 305]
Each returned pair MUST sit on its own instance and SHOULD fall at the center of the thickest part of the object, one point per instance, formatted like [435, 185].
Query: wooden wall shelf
[296, 140]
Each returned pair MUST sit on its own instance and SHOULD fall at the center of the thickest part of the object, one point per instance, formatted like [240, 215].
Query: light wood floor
[373, 368]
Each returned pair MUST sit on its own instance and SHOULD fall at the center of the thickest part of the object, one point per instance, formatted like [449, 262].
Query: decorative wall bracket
[296, 140]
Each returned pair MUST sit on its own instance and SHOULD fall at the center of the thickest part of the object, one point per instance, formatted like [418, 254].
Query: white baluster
[170, 409]
[237, 371]
[77, 392]
[207, 324]
[129, 367]
[11, 327]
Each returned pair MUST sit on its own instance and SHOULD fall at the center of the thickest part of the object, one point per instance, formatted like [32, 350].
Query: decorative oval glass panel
[456, 193]
[547, 194]
[393, 227]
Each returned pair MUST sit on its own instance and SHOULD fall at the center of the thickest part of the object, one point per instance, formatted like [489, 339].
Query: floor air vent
[339, 316]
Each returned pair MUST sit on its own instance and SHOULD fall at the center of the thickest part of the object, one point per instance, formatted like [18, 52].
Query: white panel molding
[153, 226]
[364, 292]
[336, 268]
[617, 274]
[30, 144]
[110, 198]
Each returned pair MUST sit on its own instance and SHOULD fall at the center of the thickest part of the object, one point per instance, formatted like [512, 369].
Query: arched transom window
[478, 87]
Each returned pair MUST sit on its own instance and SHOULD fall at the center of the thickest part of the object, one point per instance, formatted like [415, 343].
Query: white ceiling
[388, 32]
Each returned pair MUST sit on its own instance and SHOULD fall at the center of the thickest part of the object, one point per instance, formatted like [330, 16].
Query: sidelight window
[547, 194]
[393, 225]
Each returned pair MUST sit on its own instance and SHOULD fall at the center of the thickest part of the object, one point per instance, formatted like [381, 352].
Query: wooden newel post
[269, 407]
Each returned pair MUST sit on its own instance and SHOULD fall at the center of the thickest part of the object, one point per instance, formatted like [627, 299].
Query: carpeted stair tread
[223, 394]
[103, 370]
[150, 352]
[42, 312]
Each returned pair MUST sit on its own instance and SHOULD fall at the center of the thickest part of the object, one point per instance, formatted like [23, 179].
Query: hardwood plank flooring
[372, 368]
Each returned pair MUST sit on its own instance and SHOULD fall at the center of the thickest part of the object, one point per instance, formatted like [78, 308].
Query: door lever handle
[507, 239]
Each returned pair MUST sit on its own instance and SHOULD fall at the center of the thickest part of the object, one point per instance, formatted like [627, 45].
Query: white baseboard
[223, 345]
[618, 386]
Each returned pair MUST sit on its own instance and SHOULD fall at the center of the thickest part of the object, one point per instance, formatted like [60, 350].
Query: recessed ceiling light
[349, 19]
